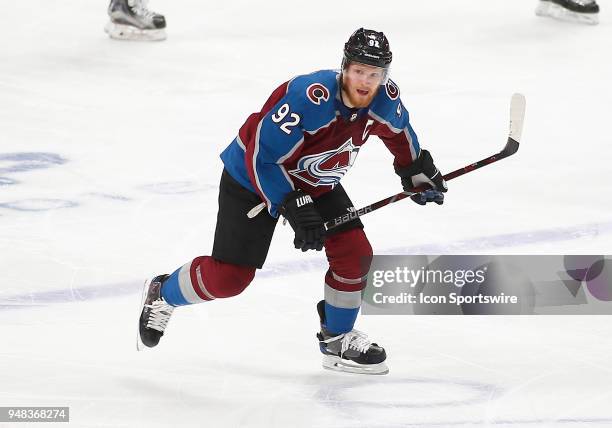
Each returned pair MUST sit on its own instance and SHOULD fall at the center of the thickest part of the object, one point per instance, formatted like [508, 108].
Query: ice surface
[109, 171]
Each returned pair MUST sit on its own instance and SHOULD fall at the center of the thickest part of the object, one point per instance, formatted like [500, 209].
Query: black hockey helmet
[367, 47]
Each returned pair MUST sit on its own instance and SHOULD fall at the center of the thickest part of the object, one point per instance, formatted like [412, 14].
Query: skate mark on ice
[176, 187]
[109, 196]
[408, 394]
[35, 205]
[69, 295]
[11, 163]
[5, 181]
[589, 230]
[379, 396]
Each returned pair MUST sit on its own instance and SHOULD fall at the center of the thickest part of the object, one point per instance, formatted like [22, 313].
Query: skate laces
[159, 315]
[140, 8]
[354, 339]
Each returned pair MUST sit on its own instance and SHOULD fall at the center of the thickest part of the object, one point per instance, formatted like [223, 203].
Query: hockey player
[586, 11]
[131, 20]
[288, 160]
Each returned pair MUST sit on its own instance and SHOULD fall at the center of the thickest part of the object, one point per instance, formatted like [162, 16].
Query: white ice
[128, 188]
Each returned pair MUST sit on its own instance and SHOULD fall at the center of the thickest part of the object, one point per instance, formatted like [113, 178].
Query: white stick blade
[517, 116]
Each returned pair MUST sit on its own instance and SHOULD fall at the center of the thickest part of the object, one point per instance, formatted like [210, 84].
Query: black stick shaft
[510, 149]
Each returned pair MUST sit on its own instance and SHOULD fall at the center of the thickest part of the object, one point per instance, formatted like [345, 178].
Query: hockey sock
[342, 302]
[171, 288]
[339, 320]
[349, 254]
[203, 279]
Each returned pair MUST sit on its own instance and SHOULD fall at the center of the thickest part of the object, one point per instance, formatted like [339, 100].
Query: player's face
[360, 84]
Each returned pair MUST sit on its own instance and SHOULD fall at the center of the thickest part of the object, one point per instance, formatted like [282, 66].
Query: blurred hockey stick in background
[517, 116]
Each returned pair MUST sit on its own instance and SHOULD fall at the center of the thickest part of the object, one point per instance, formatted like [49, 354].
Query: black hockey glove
[423, 170]
[298, 208]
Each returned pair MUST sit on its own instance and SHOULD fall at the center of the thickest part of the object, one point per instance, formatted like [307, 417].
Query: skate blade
[338, 364]
[127, 32]
[555, 11]
[145, 289]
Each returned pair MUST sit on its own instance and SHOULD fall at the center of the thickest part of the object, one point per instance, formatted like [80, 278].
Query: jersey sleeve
[394, 127]
[279, 135]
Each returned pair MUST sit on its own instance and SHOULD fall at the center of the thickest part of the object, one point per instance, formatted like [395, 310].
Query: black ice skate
[350, 352]
[586, 11]
[131, 20]
[154, 314]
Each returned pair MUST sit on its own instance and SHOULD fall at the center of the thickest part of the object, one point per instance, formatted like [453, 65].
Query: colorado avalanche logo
[317, 92]
[327, 168]
[392, 90]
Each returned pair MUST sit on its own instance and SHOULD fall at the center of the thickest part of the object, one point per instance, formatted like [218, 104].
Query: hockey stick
[517, 115]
